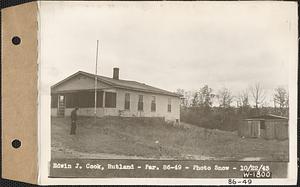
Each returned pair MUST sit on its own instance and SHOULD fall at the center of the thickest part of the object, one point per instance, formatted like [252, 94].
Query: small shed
[266, 126]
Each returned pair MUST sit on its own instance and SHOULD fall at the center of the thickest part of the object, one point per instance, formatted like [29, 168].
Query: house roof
[124, 84]
[266, 116]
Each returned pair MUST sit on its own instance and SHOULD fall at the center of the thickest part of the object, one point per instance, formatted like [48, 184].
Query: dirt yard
[110, 138]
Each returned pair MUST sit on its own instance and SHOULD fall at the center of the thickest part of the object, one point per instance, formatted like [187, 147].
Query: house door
[61, 105]
[255, 130]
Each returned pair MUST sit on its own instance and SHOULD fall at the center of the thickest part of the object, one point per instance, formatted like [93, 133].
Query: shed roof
[266, 116]
[119, 83]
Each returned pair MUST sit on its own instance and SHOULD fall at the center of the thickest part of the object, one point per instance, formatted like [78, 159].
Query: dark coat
[74, 115]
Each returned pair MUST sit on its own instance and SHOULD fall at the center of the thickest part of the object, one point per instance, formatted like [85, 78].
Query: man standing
[73, 121]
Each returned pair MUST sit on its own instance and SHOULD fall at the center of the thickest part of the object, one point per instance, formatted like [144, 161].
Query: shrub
[223, 119]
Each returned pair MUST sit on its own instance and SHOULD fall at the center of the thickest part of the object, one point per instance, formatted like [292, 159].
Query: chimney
[116, 73]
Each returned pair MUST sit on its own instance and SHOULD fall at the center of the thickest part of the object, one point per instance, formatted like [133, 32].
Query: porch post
[103, 102]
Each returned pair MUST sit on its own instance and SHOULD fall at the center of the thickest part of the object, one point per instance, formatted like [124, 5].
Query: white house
[115, 97]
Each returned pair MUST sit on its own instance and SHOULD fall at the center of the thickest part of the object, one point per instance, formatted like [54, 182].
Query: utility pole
[95, 109]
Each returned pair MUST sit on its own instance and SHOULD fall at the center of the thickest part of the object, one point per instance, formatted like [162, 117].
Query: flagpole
[95, 109]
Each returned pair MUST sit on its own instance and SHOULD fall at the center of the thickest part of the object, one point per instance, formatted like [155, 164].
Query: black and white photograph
[166, 82]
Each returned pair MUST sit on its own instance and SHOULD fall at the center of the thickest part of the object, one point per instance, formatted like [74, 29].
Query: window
[169, 105]
[61, 101]
[127, 101]
[84, 99]
[110, 99]
[262, 124]
[140, 103]
[61, 98]
[153, 104]
[71, 100]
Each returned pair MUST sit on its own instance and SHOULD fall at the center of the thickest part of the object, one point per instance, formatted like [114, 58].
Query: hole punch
[16, 40]
[16, 143]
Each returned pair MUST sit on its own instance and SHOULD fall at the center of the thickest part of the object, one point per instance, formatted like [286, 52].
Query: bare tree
[186, 97]
[206, 97]
[225, 98]
[195, 99]
[243, 103]
[243, 99]
[181, 92]
[281, 98]
[203, 98]
[258, 94]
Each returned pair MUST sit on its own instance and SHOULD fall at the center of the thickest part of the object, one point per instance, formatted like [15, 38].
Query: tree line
[223, 110]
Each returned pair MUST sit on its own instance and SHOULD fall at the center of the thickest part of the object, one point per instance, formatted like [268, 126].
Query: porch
[62, 103]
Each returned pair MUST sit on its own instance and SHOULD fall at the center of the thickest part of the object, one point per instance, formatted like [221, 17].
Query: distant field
[133, 138]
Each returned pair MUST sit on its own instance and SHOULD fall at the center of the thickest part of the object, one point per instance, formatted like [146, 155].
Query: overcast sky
[171, 45]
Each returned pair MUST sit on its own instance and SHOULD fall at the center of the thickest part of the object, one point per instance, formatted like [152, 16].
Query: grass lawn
[123, 138]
